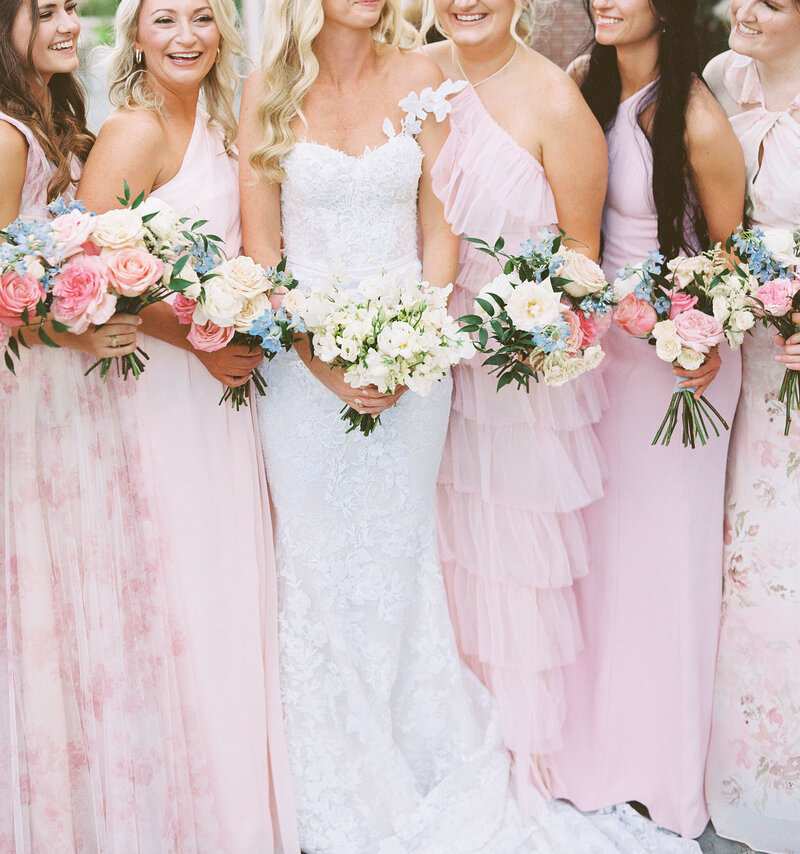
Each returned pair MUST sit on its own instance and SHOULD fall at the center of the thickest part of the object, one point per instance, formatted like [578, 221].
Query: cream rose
[244, 276]
[683, 269]
[119, 229]
[668, 347]
[690, 359]
[533, 304]
[220, 304]
[250, 312]
[587, 277]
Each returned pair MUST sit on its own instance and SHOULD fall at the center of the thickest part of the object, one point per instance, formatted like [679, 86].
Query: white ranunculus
[742, 320]
[592, 356]
[244, 276]
[250, 312]
[220, 304]
[587, 277]
[664, 329]
[533, 304]
[34, 267]
[119, 229]
[690, 359]
[668, 347]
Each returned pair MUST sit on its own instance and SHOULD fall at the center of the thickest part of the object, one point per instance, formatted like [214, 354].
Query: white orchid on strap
[418, 107]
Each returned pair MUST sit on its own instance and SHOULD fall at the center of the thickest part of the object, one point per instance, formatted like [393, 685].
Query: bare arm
[14, 157]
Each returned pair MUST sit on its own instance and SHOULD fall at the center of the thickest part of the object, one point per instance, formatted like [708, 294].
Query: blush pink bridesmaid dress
[517, 468]
[101, 748]
[207, 467]
[639, 696]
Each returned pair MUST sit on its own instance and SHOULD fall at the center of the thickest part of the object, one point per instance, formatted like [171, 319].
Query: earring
[218, 54]
[137, 56]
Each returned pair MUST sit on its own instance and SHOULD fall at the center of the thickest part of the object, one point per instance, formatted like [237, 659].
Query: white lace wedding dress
[394, 744]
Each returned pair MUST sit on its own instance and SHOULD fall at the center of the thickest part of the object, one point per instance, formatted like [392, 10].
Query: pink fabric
[517, 468]
[752, 771]
[639, 696]
[100, 745]
[207, 466]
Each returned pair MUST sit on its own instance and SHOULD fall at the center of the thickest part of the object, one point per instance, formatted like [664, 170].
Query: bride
[394, 744]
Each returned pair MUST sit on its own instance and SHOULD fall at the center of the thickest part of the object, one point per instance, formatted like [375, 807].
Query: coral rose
[132, 271]
[680, 301]
[635, 316]
[18, 294]
[209, 337]
[575, 339]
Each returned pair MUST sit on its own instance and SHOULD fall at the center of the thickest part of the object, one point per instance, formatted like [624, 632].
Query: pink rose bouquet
[685, 308]
[239, 302]
[773, 259]
[542, 315]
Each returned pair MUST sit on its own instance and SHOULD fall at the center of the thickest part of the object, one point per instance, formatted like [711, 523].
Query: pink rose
[209, 337]
[89, 248]
[81, 294]
[184, 308]
[133, 271]
[588, 327]
[680, 302]
[635, 316]
[72, 230]
[700, 332]
[777, 296]
[575, 340]
[18, 293]
[276, 297]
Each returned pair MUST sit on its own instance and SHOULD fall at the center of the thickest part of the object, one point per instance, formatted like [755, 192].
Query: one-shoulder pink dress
[100, 746]
[639, 696]
[753, 774]
[207, 466]
[517, 468]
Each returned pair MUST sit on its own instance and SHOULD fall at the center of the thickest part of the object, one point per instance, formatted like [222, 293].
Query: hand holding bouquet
[238, 302]
[685, 310]
[772, 257]
[390, 331]
[543, 314]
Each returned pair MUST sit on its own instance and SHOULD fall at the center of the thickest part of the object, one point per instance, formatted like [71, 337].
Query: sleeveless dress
[639, 696]
[100, 747]
[753, 775]
[393, 742]
[206, 465]
[517, 468]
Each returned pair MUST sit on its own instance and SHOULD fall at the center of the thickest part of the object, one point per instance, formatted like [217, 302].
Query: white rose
[295, 301]
[690, 359]
[244, 276]
[119, 229]
[533, 304]
[683, 269]
[664, 328]
[587, 277]
[624, 286]
[719, 306]
[742, 320]
[668, 347]
[164, 223]
[34, 267]
[220, 304]
[502, 287]
[250, 312]
[780, 243]
[316, 310]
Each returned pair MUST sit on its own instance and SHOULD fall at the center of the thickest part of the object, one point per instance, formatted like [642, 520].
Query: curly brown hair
[58, 123]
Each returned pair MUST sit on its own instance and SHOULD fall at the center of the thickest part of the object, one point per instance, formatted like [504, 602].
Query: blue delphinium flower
[551, 337]
[599, 303]
[268, 331]
[750, 246]
[63, 206]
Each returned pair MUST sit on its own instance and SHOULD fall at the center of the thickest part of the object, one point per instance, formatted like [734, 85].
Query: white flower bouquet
[685, 309]
[390, 331]
[543, 314]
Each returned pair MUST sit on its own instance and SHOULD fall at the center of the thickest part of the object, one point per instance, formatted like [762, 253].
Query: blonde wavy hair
[128, 81]
[529, 16]
[289, 68]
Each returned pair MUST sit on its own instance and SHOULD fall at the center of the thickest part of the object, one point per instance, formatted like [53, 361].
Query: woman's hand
[702, 377]
[232, 365]
[791, 347]
[117, 337]
[366, 401]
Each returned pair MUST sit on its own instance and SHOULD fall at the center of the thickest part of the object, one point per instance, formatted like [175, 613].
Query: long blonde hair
[528, 16]
[289, 68]
[128, 81]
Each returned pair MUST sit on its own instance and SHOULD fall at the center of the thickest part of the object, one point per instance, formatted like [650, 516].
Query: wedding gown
[394, 744]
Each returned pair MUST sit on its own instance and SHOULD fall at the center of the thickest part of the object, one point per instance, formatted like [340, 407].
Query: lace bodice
[343, 213]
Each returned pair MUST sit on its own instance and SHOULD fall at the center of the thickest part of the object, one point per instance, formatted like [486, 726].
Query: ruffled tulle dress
[639, 696]
[517, 468]
[753, 773]
[100, 744]
[207, 470]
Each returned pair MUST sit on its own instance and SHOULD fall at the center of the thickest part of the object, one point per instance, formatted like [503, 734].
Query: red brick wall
[568, 33]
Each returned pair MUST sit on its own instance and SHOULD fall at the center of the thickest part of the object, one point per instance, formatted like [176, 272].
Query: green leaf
[13, 345]
[499, 244]
[9, 363]
[179, 265]
[485, 305]
[497, 359]
[472, 319]
[46, 339]
[504, 381]
[125, 198]
[148, 217]
[483, 336]
[22, 340]
[137, 201]
[199, 224]
[58, 326]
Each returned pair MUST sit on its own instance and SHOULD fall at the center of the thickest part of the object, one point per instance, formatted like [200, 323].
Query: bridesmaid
[205, 460]
[524, 142]
[639, 697]
[98, 748]
[752, 773]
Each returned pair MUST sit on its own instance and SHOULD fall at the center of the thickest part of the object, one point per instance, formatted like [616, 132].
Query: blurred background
[564, 33]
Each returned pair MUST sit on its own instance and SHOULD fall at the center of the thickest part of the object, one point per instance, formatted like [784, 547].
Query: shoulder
[253, 86]
[415, 70]
[138, 128]
[706, 121]
[552, 95]
[579, 68]
[13, 144]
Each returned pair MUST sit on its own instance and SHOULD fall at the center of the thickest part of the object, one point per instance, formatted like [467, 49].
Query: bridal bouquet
[82, 269]
[685, 310]
[238, 302]
[391, 330]
[772, 257]
[543, 314]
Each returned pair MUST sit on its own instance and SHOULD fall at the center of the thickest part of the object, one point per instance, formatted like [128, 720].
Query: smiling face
[624, 22]
[765, 29]
[55, 40]
[178, 40]
[476, 22]
[352, 14]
